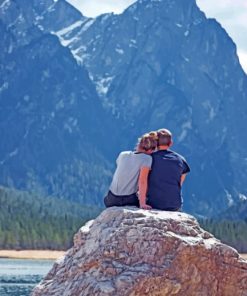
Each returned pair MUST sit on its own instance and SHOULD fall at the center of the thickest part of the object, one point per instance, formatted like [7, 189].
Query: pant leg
[112, 200]
[130, 200]
[173, 209]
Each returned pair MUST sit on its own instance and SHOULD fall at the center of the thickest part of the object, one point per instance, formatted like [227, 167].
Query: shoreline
[42, 254]
[31, 254]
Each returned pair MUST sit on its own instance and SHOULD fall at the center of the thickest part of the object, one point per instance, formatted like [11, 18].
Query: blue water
[19, 276]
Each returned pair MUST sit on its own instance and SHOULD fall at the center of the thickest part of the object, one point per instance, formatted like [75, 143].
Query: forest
[232, 233]
[28, 221]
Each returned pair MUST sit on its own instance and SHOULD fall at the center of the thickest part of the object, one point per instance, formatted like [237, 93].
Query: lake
[19, 276]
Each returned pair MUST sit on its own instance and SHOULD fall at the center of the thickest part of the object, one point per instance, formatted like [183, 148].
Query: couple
[151, 176]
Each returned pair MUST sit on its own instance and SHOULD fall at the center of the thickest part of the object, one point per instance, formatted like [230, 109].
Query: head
[147, 143]
[164, 138]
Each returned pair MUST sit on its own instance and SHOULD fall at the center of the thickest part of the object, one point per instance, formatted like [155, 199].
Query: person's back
[164, 183]
[131, 174]
[129, 164]
[166, 176]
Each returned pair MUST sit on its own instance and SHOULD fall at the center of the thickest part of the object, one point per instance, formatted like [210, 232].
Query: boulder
[134, 252]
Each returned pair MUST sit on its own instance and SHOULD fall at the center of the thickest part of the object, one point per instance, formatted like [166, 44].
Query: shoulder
[186, 167]
[145, 156]
[177, 155]
[125, 153]
[155, 153]
[123, 156]
[144, 159]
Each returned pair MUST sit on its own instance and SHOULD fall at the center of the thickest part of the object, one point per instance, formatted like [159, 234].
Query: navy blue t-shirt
[164, 189]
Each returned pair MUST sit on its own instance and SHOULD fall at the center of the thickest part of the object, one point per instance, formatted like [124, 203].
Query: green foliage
[28, 221]
[233, 233]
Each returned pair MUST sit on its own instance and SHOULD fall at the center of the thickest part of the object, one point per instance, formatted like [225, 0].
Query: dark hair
[164, 137]
[148, 141]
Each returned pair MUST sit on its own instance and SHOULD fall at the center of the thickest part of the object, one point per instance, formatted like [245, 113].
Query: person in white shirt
[129, 184]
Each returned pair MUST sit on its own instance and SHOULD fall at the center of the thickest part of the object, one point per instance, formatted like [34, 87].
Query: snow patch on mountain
[242, 196]
[10, 155]
[186, 33]
[103, 85]
[185, 127]
[80, 55]
[211, 111]
[70, 28]
[71, 124]
[119, 50]
[4, 6]
[87, 25]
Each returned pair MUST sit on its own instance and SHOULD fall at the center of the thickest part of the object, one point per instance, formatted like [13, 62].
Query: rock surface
[128, 251]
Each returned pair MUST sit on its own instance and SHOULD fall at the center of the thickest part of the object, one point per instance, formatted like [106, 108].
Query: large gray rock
[128, 251]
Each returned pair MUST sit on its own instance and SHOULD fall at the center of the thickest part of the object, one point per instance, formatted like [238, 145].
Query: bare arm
[182, 179]
[143, 184]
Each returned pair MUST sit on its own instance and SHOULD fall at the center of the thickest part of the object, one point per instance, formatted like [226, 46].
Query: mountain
[161, 63]
[194, 85]
[236, 212]
[51, 116]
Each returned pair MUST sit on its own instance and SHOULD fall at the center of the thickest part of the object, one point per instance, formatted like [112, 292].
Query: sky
[232, 14]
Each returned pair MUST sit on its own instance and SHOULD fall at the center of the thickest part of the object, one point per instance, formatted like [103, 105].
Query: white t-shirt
[125, 178]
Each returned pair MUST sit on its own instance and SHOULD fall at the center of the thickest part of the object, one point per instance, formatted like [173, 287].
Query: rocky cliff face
[163, 63]
[51, 116]
[159, 64]
[127, 251]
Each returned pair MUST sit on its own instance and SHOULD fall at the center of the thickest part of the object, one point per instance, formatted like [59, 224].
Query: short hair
[164, 137]
[148, 141]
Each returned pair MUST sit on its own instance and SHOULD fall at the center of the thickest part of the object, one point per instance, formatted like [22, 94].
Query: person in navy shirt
[167, 175]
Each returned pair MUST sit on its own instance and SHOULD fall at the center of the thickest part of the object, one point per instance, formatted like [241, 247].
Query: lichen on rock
[134, 252]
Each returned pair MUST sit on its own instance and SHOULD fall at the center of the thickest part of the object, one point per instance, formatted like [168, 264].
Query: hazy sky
[232, 14]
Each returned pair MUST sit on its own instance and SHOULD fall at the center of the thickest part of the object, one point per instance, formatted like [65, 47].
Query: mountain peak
[168, 5]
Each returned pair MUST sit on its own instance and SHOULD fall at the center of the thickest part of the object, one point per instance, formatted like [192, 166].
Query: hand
[145, 207]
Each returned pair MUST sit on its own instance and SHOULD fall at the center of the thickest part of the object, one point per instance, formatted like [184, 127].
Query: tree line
[28, 221]
[233, 233]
